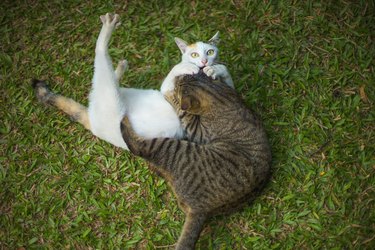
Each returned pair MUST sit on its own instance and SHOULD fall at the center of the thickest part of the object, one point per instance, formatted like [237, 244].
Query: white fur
[191, 65]
[183, 68]
[150, 114]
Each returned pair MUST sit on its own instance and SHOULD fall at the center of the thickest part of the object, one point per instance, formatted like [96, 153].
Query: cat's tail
[190, 233]
[75, 110]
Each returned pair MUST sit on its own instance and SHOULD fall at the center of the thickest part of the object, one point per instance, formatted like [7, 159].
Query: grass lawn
[306, 66]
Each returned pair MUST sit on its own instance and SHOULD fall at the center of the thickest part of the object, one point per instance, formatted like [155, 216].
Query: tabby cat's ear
[190, 104]
[181, 44]
[215, 39]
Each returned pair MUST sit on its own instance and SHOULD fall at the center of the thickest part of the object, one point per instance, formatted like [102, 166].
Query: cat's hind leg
[106, 107]
[75, 110]
[105, 80]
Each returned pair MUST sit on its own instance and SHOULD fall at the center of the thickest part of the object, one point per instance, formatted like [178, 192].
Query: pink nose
[204, 61]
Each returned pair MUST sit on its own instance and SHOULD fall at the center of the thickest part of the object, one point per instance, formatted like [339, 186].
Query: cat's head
[199, 94]
[199, 53]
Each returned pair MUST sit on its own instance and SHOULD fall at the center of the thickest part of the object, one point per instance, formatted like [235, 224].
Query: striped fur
[223, 161]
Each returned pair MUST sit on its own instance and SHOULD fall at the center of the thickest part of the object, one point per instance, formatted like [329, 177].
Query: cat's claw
[209, 71]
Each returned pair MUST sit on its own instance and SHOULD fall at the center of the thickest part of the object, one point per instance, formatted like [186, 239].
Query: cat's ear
[190, 104]
[215, 39]
[182, 45]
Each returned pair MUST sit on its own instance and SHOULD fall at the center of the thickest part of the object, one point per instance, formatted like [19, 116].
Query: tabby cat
[224, 161]
[150, 114]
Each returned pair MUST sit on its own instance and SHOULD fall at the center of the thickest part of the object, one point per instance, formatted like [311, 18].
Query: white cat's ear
[182, 45]
[215, 39]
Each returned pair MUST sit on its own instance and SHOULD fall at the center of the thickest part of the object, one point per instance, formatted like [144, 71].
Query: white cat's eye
[210, 52]
[194, 55]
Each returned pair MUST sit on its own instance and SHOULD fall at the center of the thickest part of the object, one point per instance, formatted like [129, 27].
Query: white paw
[178, 70]
[185, 69]
[123, 65]
[110, 20]
[209, 71]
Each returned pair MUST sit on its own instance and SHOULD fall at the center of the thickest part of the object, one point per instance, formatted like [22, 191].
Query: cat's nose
[204, 61]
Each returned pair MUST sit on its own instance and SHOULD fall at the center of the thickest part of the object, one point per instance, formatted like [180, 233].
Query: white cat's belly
[150, 114]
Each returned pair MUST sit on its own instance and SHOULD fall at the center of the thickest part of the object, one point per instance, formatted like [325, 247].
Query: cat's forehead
[200, 46]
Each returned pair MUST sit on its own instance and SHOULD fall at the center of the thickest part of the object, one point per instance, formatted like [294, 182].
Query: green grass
[306, 66]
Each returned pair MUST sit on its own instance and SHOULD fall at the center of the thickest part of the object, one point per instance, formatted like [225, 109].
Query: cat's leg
[105, 78]
[153, 150]
[219, 71]
[131, 139]
[193, 226]
[182, 68]
[106, 107]
[74, 109]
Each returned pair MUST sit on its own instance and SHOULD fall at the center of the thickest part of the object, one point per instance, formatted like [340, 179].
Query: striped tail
[190, 233]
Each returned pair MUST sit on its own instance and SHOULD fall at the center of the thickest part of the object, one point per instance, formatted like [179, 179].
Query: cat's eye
[210, 52]
[194, 55]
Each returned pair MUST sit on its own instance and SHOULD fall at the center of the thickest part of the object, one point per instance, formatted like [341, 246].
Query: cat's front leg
[219, 71]
[182, 68]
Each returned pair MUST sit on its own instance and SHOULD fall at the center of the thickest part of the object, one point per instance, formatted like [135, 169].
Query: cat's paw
[210, 71]
[111, 21]
[185, 69]
[178, 70]
[122, 66]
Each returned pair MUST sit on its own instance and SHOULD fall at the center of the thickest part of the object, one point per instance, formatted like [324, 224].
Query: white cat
[195, 56]
[149, 112]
